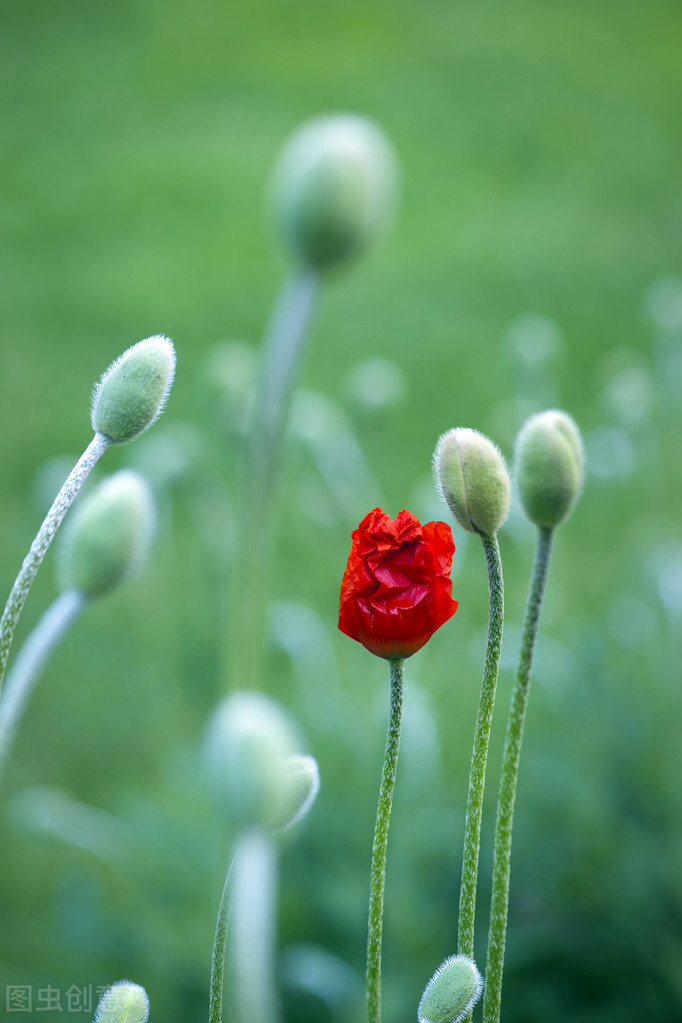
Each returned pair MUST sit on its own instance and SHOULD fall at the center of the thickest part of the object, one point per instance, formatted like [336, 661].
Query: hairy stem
[510, 771]
[378, 873]
[42, 541]
[479, 756]
[30, 661]
[215, 1003]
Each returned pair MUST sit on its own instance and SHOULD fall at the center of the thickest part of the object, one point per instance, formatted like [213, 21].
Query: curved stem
[253, 928]
[378, 874]
[215, 1003]
[30, 661]
[509, 777]
[281, 357]
[42, 541]
[479, 756]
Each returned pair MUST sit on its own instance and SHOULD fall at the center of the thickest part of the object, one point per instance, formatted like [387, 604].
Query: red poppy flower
[396, 589]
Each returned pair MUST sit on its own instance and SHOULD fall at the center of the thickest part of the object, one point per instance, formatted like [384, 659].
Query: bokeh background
[535, 260]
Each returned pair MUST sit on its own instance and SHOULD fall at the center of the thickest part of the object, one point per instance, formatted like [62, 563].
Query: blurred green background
[535, 260]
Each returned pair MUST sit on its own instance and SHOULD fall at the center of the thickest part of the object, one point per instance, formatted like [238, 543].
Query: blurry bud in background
[374, 387]
[334, 189]
[124, 1002]
[549, 467]
[249, 742]
[109, 536]
[452, 992]
[302, 778]
[133, 391]
[471, 476]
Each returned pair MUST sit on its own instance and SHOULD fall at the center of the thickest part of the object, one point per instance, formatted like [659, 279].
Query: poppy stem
[281, 356]
[42, 541]
[479, 756]
[215, 1002]
[30, 661]
[508, 781]
[378, 873]
[253, 927]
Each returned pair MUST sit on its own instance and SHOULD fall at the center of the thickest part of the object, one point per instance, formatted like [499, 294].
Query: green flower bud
[124, 1002]
[302, 785]
[334, 188]
[471, 476]
[247, 746]
[133, 392]
[549, 467]
[452, 992]
[109, 536]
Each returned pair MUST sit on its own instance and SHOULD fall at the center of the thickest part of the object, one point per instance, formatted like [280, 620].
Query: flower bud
[452, 992]
[471, 476]
[302, 777]
[109, 535]
[333, 188]
[248, 743]
[124, 1002]
[549, 467]
[133, 391]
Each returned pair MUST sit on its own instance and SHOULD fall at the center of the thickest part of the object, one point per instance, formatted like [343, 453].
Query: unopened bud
[549, 467]
[249, 741]
[334, 188]
[109, 536]
[133, 391]
[452, 992]
[471, 476]
[302, 785]
[123, 1002]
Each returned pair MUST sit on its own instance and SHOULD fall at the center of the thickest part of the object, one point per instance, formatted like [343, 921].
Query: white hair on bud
[460, 1011]
[159, 347]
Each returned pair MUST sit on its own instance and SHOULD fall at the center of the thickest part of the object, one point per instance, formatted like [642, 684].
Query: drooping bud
[247, 747]
[123, 1002]
[452, 992]
[471, 476]
[133, 391]
[109, 536]
[334, 188]
[549, 467]
[302, 786]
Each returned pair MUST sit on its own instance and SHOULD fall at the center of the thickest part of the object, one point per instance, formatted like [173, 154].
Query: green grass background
[541, 162]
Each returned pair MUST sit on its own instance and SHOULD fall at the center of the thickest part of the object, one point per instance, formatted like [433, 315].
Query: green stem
[378, 874]
[42, 541]
[479, 756]
[253, 928]
[30, 661]
[508, 781]
[215, 1003]
[281, 357]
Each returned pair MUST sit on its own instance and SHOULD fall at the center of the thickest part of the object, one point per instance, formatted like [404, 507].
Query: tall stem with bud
[128, 399]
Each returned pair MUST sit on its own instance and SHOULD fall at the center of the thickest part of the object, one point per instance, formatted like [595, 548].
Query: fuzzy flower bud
[471, 476]
[549, 467]
[124, 1002]
[109, 535]
[334, 187]
[247, 747]
[133, 391]
[302, 786]
[452, 992]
